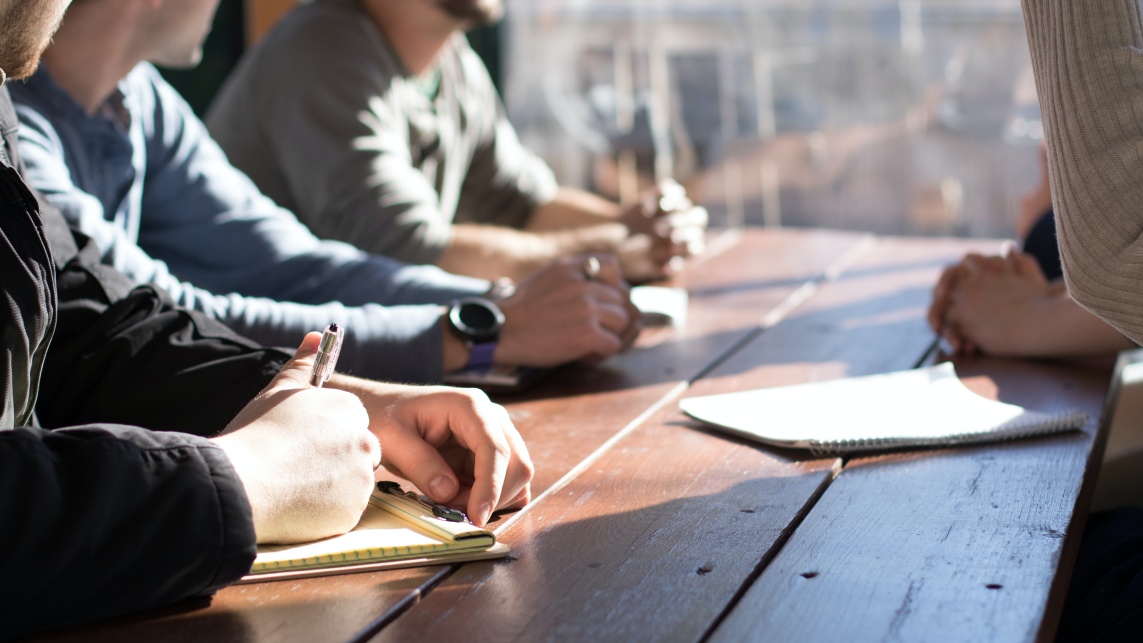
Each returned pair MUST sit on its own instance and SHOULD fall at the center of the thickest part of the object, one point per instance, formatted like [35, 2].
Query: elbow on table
[1115, 300]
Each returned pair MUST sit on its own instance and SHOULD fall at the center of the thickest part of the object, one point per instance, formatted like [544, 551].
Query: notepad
[661, 306]
[924, 407]
[393, 532]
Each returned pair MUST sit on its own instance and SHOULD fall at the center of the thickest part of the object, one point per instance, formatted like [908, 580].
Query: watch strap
[480, 356]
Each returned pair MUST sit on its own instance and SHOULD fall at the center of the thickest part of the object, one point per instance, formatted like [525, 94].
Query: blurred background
[914, 117]
[894, 116]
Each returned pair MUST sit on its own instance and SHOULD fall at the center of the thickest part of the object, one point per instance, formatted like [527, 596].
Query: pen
[326, 358]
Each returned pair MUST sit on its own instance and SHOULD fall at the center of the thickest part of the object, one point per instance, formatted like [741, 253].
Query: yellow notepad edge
[458, 540]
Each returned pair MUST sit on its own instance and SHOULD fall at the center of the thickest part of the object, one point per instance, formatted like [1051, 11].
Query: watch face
[478, 319]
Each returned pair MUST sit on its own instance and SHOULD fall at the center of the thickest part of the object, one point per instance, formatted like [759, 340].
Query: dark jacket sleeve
[98, 521]
[128, 355]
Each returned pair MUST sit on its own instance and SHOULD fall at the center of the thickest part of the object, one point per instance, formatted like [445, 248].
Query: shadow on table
[857, 273]
[890, 323]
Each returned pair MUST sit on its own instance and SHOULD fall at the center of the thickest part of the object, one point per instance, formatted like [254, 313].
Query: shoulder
[144, 87]
[40, 103]
[42, 110]
[318, 19]
[160, 108]
[469, 63]
[316, 37]
[469, 72]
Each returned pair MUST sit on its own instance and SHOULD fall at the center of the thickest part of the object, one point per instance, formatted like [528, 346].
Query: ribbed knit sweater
[1088, 60]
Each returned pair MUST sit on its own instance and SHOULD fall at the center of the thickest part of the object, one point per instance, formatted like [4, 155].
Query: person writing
[400, 146]
[145, 449]
[115, 148]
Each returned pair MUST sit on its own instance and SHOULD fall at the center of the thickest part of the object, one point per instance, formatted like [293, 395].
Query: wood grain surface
[957, 544]
[564, 420]
[657, 537]
[647, 526]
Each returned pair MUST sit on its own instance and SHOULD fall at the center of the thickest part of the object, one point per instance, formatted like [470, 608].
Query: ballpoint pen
[326, 358]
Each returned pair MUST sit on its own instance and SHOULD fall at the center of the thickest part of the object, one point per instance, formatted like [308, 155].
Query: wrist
[476, 322]
[603, 237]
[454, 350]
[1031, 337]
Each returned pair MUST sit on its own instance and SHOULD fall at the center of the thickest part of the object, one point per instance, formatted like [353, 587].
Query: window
[895, 116]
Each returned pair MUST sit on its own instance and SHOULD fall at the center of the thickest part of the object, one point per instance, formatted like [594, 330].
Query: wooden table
[648, 527]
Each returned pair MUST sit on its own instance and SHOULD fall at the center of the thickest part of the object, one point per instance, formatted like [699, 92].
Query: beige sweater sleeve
[1088, 60]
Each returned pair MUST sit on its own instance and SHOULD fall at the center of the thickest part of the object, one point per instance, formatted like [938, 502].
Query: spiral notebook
[398, 529]
[926, 407]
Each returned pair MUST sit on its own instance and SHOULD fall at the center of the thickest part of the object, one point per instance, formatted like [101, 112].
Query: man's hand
[665, 224]
[560, 315]
[455, 445]
[938, 315]
[992, 305]
[305, 455]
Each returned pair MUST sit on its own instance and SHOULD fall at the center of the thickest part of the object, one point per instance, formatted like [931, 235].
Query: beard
[477, 13]
[26, 28]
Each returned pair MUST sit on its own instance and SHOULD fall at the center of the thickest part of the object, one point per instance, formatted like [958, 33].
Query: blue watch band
[480, 357]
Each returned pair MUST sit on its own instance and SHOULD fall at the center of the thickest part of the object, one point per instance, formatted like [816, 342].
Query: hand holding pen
[425, 430]
[305, 455]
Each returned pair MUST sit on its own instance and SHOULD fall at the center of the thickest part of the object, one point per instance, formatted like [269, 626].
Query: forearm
[573, 208]
[1087, 57]
[1059, 327]
[128, 355]
[492, 252]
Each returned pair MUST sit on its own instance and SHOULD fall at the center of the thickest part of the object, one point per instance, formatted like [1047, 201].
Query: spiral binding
[1016, 429]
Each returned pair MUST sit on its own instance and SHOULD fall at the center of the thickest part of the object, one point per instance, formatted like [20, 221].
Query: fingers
[684, 222]
[609, 271]
[296, 372]
[1008, 248]
[369, 443]
[601, 343]
[615, 317]
[672, 196]
[667, 214]
[501, 465]
[971, 264]
[941, 293]
[634, 326]
[459, 448]
[1026, 265]
[679, 234]
[422, 463]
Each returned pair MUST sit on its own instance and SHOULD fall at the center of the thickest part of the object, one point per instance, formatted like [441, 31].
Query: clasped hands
[989, 304]
[665, 227]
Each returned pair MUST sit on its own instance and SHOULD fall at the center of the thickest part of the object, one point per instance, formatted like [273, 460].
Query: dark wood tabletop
[646, 526]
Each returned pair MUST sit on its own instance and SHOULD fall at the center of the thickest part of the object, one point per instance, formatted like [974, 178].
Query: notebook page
[921, 406]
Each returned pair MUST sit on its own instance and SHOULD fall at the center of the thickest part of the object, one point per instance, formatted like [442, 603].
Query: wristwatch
[477, 321]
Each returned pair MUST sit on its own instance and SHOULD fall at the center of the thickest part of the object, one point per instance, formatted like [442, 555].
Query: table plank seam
[772, 554]
[831, 273]
[403, 605]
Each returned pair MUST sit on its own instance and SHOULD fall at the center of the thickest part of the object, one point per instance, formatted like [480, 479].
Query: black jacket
[110, 498]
